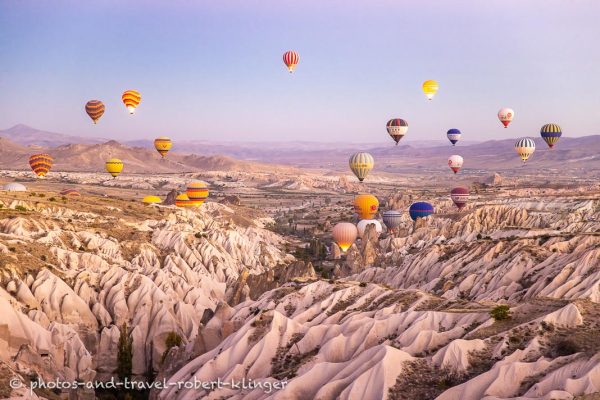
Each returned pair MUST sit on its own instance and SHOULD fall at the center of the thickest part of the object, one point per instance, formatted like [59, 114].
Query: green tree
[125, 354]
[173, 340]
[500, 313]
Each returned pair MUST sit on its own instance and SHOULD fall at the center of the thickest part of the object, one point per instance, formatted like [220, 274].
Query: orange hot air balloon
[290, 59]
[95, 109]
[163, 144]
[344, 234]
[182, 200]
[366, 206]
[41, 164]
[131, 99]
[197, 192]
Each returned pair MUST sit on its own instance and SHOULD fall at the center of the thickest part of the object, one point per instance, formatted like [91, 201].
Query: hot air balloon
[551, 133]
[397, 128]
[420, 209]
[70, 192]
[366, 206]
[182, 200]
[505, 115]
[455, 163]
[392, 219]
[197, 192]
[131, 99]
[525, 148]
[361, 164]
[460, 196]
[362, 226]
[290, 59]
[95, 109]
[151, 200]
[430, 88]
[163, 144]
[114, 166]
[41, 164]
[344, 234]
[453, 135]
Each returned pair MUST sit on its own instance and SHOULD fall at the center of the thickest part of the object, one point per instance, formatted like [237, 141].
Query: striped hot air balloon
[361, 164]
[131, 99]
[182, 200]
[525, 148]
[430, 88]
[420, 209]
[163, 144]
[41, 164]
[506, 115]
[344, 234]
[392, 219]
[70, 192]
[366, 206]
[453, 135]
[197, 192]
[459, 196]
[151, 200]
[551, 133]
[455, 163]
[397, 128]
[290, 59]
[363, 223]
[95, 109]
[114, 166]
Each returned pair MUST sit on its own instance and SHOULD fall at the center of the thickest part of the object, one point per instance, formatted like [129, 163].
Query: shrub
[566, 347]
[500, 313]
[52, 199]
[172, 340]
[479, 236]
[363, 284]
[20, 208]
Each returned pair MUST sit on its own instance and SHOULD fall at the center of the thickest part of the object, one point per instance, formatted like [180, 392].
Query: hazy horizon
[213, 71]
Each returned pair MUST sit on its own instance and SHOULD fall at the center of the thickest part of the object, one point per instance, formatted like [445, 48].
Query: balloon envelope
[420, 209]
[70, 192]
[392, 219]
[344, 234]
[95, 109]
[114, 166]
[525, 148]
[151, 200]
[430, 88]
[506, 115]
[131, 99]
[182, 200]
[41, 163]
[361, 164]
[551, 133]
[163, 144]
[397, 128]
[455, 163]
[366, 206]
[290, 59]
[459, 196]
[362, 226]
[453, 135]
[197, 192]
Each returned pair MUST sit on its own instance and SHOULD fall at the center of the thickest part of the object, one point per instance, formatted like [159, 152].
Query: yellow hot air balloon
[366, 206]
[361, 164]
[151, 200]
[114, 166]
[40, 164]
[163, 144]
[182, 200]
[344, 234]
[131, 99]
[430, 88]
[197, 192]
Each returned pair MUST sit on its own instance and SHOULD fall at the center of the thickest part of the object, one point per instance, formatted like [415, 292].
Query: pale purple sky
[213, 69]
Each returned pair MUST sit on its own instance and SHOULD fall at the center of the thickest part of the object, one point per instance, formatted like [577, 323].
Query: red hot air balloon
[290, 59]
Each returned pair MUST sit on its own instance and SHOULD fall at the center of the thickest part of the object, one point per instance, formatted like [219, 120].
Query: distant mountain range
[88, 154]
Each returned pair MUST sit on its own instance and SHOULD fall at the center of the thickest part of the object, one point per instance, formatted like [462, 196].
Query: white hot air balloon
[455, 163]
[363, 223]
[506, 115]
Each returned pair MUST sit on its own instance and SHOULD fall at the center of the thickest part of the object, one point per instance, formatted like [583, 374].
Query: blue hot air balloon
[420, 209]
[453, 136]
